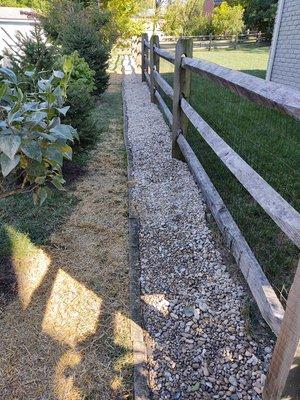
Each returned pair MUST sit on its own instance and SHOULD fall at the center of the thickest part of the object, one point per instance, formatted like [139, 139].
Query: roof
[13, 13]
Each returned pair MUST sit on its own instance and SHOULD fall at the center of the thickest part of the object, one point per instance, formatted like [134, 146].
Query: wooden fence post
[143, 55]
[236, 39]
[182, 87]
[210, 41]
[154, 65]
[283, 377]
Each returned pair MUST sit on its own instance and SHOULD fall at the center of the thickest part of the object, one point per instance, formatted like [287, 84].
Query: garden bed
[65, 326]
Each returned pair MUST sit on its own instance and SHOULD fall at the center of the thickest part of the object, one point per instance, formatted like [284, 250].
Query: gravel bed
[199, 345]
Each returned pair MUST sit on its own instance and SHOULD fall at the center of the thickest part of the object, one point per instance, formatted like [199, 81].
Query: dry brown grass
[66, 334]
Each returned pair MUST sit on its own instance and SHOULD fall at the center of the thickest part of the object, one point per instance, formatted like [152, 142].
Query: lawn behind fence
[266, 139]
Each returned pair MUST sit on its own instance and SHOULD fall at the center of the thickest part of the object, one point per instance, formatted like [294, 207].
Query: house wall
[12, 27]
[208, 7]
[284, 64]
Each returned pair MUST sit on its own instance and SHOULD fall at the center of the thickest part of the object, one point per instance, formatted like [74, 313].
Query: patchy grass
[266, 139]
[64, 278]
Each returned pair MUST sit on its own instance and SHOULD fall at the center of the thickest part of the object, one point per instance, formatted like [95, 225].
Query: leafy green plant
[80, 99]
[185, 18]
[79, 34]
[81, 71]
[228, 20]
[33, 141]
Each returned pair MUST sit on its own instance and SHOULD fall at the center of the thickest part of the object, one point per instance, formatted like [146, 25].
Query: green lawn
[266, 139]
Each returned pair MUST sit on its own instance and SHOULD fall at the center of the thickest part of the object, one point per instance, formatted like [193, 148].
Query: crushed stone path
[199, 345]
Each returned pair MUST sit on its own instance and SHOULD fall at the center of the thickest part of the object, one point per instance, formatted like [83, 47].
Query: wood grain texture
[267, 301]
[152, 66]
[163, 84]
[147, 77]
[164, 108]
[257, 90]
[144, 56]
[286, 348]
[282, 213]
[164, 54]
[182, 87]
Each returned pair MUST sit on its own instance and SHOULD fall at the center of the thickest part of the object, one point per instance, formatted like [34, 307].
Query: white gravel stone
[193, 307]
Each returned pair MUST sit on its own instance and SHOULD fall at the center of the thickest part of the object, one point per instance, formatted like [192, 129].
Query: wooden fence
[212, 41]
[285, 324]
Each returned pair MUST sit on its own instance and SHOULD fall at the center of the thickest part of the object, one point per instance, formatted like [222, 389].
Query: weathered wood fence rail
[211, 41]
[285, 324]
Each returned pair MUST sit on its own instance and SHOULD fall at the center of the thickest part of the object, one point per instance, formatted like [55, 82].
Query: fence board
[163, 84]
[165, 54]
[147, 77]
[144, 59]
[286, 348]
[285, 216]
[182, 87]
[267, 301]
[164, 108]
[260, 91]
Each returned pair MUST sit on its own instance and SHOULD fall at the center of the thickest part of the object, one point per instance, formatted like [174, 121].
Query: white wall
[24, 26]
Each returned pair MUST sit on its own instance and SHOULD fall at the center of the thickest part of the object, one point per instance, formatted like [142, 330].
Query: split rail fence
[285, 324]
[212, 41]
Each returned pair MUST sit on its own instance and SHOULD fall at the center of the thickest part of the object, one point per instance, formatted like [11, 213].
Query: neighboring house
[13, 20]
[284, 61]
[209, 6]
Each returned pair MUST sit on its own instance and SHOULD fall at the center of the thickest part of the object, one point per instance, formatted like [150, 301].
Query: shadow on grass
[66, 325]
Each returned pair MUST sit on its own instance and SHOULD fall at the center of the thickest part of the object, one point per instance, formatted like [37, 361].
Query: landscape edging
[140, 368]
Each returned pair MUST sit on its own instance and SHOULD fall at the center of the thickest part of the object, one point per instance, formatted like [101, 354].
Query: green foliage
[260, 15]
[185, 18]
[31, 52]
[81, 72]
[122, 22]
[32, 138]
[228, 20]
[80, 99]
[81, 29]
[35, 4]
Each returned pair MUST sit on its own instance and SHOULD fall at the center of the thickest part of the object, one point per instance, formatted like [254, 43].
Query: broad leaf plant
[33, 141]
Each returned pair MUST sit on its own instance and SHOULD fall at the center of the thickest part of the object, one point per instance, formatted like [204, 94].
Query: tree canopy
[228, 20]
[259, 14]
[184, 18]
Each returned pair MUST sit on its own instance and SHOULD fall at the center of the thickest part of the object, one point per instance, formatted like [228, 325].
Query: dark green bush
[78, 28]
[80, 34]
[80, 99]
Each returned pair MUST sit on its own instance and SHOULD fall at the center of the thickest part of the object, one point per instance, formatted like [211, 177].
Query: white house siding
[13, 20]
[284, 65]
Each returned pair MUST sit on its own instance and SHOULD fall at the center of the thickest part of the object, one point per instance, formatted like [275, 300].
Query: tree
[122, 13]
[259, 14]
[36, 4]
[184, 18]
[228, 20]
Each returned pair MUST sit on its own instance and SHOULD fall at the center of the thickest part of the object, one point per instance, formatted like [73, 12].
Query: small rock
[232, 380]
